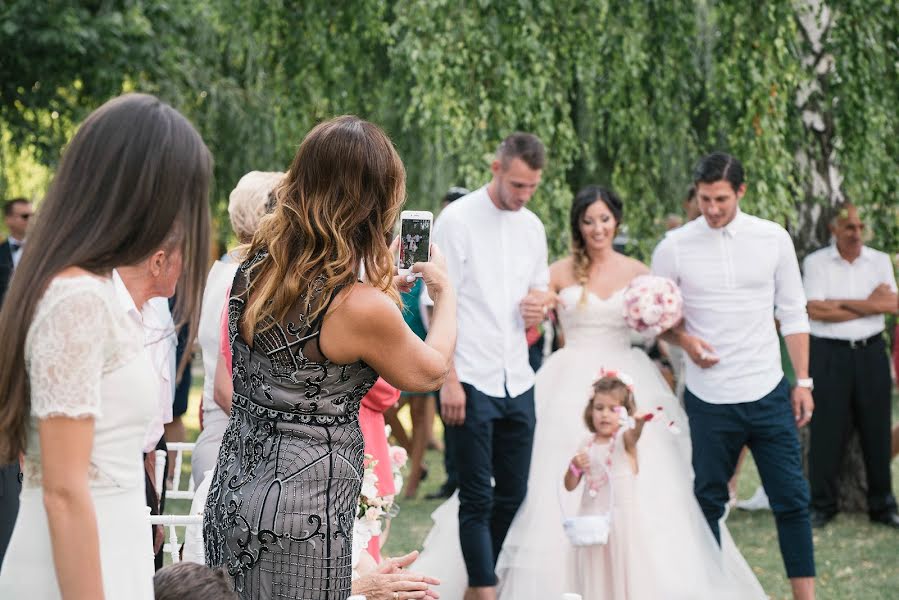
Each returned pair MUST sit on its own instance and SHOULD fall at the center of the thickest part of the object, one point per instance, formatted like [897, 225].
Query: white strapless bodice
[593, 322]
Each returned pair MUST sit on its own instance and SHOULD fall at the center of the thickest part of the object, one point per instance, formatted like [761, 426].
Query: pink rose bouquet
[652, 304]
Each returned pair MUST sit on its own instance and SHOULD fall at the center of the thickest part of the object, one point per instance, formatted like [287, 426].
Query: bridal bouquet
[652, 304]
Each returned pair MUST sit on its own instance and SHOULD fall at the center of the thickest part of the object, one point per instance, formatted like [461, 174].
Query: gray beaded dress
[281, 505]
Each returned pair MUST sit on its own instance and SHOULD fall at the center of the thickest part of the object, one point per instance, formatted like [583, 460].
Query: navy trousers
[767, 427]
[10, 486]
[494, 442]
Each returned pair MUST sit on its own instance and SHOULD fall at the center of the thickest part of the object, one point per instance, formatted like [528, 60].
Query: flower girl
[607, 468]
[639, 533]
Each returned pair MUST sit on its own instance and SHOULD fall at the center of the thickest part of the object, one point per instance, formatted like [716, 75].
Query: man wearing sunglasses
[16, 212]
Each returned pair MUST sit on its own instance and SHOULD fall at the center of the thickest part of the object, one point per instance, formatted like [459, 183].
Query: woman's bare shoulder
[361, 303]
[635, 266]
[561, 272]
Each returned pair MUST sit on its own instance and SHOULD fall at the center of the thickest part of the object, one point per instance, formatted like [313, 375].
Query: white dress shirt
[160, 341]
[734, 281]
[494, 258]
[828, 276]
[17, 255]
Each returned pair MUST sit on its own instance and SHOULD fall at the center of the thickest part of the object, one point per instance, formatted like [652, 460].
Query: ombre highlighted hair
[335, 211]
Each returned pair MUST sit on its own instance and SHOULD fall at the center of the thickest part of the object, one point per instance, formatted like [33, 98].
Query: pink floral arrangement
[652, 304]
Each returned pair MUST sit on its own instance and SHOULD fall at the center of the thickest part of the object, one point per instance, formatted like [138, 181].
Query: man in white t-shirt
[736, 272]
[496, 256]
[850, 287]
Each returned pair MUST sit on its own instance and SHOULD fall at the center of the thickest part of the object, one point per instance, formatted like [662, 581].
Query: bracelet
[574, 470]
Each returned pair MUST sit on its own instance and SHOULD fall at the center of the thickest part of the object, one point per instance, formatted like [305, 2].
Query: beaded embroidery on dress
[282, 501]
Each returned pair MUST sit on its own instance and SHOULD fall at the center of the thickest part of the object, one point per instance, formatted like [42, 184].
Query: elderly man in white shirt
[736, 273]
[496, 256]
[850, 287]
[143, 290]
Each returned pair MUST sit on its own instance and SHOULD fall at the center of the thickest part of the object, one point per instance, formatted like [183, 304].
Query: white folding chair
[171, 523]
[177, 492]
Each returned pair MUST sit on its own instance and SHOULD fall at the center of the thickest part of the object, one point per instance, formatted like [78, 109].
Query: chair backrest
[171, 524]
[177, 491]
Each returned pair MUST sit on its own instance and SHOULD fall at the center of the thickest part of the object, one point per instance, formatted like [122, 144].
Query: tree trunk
[823, 198]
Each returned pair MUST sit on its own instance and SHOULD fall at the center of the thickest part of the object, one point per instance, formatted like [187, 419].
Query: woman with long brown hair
[308, 341]
[76, 384]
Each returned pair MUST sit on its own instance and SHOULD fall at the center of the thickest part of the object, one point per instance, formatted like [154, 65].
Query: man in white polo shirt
[850, 287]
[736, 273]
[496, 257]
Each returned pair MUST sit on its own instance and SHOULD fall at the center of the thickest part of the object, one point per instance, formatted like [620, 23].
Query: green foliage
[626, 94]
[61, 59]
[865, 97]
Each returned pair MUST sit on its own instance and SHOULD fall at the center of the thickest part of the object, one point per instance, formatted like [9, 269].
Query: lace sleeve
[65, 351]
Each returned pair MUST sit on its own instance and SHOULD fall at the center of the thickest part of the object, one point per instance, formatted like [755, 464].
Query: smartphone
[415, 239]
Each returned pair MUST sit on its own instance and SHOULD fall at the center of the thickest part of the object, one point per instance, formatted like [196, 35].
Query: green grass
[855, 559]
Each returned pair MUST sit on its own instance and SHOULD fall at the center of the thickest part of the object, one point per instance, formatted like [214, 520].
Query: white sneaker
[758, 501]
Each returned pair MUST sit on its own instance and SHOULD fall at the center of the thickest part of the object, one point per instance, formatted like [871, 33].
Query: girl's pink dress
[620, 569]
[371, 420]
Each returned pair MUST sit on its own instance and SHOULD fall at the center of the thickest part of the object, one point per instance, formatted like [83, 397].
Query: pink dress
[371, 420]
[617, 570]
[225, 337]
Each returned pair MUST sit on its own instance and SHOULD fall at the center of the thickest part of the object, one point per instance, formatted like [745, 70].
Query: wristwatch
[807, 383]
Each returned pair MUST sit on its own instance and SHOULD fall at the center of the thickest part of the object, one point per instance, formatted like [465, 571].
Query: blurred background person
[850, 287]
[422, 407]
[17, 213]
[417, 312]
[249, 201]
[673, 221]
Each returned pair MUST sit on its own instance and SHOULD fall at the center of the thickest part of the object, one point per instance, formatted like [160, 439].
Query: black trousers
[10, 486]
[852, 386]
[719, 432]
[495, 441]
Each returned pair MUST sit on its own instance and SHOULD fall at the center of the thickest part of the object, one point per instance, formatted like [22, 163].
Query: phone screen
[415, 242]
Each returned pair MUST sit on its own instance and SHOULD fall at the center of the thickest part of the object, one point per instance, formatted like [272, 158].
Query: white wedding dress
[678, 552]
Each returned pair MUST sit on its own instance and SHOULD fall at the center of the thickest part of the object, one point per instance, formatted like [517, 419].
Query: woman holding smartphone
[308, 340]
[77, 385]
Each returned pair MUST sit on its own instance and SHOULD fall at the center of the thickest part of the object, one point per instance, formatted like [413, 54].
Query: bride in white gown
[537, 562]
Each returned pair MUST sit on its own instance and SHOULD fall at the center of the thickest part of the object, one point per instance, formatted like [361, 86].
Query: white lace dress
[85, 359]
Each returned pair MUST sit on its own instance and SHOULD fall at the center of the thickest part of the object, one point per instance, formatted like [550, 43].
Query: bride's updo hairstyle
[584, 199]
[335, 211]
[614, 387]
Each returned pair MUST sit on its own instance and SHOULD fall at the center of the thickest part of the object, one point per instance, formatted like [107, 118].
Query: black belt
[853, 344]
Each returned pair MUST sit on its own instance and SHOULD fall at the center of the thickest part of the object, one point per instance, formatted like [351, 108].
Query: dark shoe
[888, 518]
[820, 518]
[442, 493]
